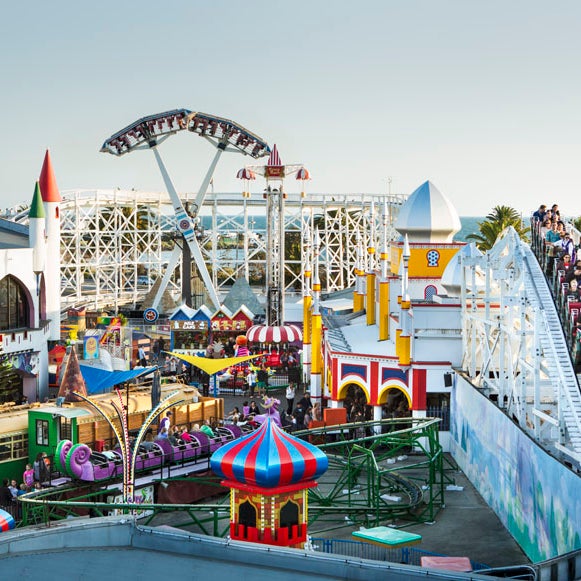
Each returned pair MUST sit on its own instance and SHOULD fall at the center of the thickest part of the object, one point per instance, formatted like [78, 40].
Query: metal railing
[403, 555]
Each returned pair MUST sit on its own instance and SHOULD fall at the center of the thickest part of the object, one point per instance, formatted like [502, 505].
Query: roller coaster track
[366, 483]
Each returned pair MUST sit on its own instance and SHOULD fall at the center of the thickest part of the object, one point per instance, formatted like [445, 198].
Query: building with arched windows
[30, 293]
[393, 355]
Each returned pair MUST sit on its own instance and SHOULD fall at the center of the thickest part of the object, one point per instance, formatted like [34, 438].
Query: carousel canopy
[268, 334]
[6, 521]
[269, 458]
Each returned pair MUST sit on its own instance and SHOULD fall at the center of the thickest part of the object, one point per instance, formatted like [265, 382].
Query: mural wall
[537, 499]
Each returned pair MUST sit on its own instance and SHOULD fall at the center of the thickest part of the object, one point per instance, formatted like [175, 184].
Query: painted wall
[536, 498]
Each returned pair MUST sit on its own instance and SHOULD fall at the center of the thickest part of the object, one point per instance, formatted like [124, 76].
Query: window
[13, 446]
[42, 432]
[65, 431]
[14, 307]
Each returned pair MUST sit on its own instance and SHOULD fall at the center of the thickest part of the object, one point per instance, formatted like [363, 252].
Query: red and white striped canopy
[303, 174]
[274, 158]
[267, 334]
[246, 174]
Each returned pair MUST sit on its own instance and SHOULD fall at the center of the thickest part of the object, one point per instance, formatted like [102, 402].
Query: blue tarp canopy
[101, 380]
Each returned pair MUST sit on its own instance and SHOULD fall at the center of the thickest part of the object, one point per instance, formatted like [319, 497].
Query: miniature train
[79, 462]
[26, 431]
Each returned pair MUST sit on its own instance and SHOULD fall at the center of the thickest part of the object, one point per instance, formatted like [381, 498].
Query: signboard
[150, 315]
[190, 325]
[90, 347]
[228, 325]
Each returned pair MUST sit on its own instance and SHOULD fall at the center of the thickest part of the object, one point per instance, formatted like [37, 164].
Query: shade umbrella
[213, 366]
[274, 334]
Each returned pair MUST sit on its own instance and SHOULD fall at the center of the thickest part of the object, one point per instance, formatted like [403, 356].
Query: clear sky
[480, 97]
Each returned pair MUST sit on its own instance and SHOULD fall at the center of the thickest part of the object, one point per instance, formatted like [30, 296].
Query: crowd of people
[560, 258]
[293, 417]
[34, 477]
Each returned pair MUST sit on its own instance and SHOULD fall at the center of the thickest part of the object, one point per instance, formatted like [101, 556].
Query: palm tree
[496, 222]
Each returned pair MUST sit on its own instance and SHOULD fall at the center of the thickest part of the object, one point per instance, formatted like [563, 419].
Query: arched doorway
[247, 514]
[395, 404]
[289, 515]
[355, 402]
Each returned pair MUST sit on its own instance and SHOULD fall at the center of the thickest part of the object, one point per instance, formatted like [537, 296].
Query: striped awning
[270, 334]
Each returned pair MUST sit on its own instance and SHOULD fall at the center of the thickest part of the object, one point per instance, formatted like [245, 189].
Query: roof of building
[428, 216]
[241, 294]
[453, 274]
[48, 186]
[13, 235]
[36, 208]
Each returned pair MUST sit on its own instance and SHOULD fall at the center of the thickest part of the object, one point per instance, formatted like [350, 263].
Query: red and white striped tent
[269, 334]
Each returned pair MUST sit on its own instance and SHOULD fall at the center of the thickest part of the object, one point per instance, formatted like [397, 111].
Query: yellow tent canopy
[211, 366]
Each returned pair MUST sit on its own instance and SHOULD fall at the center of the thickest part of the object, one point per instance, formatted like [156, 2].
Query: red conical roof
[48, 188]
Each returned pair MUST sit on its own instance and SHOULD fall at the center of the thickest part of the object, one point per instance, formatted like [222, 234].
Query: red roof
[48, 187]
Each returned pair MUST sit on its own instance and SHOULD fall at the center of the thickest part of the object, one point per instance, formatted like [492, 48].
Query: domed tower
[430, 221]
[428, 216]
[453, 275]
[269, 473]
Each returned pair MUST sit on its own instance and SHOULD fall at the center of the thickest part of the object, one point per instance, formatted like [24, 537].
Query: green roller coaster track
[380, 472]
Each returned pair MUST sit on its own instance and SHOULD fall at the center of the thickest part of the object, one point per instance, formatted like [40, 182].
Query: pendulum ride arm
[186, 228]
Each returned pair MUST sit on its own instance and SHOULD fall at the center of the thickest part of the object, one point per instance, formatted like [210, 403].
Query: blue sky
[482, 98]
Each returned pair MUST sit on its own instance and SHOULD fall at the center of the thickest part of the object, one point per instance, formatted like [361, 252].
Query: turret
[52, 199]
[37, 234]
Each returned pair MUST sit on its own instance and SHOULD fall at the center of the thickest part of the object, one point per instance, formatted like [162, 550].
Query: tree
[495, 223]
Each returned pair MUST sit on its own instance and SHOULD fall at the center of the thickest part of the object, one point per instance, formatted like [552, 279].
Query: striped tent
[6, 521]
[269, 458]
[273, 334]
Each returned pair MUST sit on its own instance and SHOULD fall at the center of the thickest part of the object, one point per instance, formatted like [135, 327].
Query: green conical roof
[37, 207]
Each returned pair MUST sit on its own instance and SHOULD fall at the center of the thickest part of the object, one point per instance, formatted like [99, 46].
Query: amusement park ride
[225, 135]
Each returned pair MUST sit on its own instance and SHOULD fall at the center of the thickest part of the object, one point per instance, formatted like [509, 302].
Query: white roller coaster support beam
[209, 174]
[174, 260]
[186, 227]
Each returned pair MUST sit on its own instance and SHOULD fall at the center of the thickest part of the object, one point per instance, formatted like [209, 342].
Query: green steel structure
[381, 472]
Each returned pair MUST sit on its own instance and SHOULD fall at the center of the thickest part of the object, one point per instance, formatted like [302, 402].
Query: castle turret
[37, 234]
[52, 199]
